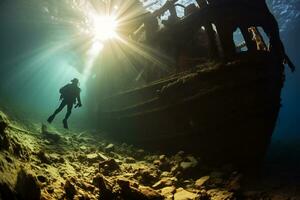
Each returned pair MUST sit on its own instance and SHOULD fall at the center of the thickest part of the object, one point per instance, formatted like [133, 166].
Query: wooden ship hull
[223, 109]
[226, 113]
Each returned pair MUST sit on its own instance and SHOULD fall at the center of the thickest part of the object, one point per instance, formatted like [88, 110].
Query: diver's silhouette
[68, 94]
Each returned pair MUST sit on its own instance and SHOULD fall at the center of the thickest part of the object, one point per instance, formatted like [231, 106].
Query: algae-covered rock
[70, 190]
[149, 193]
[6, 191]
[168, 192]
[51, 136]
[201, 181]
[182, 194]
[27, 186]
[128, 191]
[220, 194]
[3, 122]
[4, 140]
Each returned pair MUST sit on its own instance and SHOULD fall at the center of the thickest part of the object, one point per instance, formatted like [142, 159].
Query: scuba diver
[68, 94]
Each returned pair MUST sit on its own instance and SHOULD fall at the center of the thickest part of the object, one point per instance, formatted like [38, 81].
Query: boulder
[149, 193]
[6, 191]
[43, 157]
[110, 147]
[140, 153]
[108, 166]
[201, 181]
[162, 163]
[92, 157]
[146, 176]
[182, 194]
[27, 186]
[42, 178]
[5, 142]
[168, 192]
[166, 181]
[130, 160]
[70, 190]
[56, 158]
[53, 137]
[83, 148]
[106, 191]
[141, 193]
[190, 162]
[220, 194]
[3, 122]
[234, 183]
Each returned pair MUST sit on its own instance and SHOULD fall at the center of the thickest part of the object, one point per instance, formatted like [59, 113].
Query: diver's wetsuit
[69, 94]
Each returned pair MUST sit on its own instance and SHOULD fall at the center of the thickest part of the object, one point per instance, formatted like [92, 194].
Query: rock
[162, 163]
[150, 158]
[157, 162]
[219, 194]
[216, 179]
[141, 193]
[6, 191]
[110, 147]
[123, 183]
[165, 182]
[130, 160]
[149, 193]
[27, 186]
[182, 194]
[43, 157]
[18, 149]
[140, 153]
[5, 142]
[189, 163]
[92, 157]
[3, 118]
[163, 158]
[234, 183]
[280, 197]
[84, 197]
[53, 137]
[108, 165]
[104, 186]
[3, 122]
[168, 192]
[87, 187]
[56, 158]
[201, 181]
[96, 180]
[146, 176]
[165, 174]
[50, 189]
[188, 183]
[8, 159]
[175, 169]
[83, 148]
[4, 138]
[41, 178]
[70, 190]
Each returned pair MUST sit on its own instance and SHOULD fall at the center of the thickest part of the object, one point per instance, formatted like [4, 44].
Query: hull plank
[227, 113]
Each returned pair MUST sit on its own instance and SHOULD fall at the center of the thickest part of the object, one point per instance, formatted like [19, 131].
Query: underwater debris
[27, 186]
[3, 122]
[53, 137]
[70, 190]
[84, 169]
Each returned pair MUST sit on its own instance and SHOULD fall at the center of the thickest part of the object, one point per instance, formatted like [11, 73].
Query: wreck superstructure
[221, 98]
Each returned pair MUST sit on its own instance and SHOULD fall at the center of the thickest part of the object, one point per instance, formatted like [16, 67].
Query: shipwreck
[220, 100]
